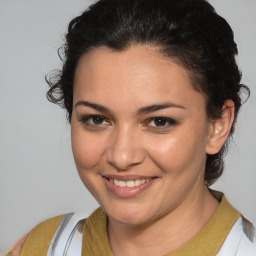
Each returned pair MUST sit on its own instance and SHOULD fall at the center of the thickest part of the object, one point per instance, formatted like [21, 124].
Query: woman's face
[139, 133]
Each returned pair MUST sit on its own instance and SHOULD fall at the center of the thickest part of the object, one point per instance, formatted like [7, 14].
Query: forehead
[139, 74]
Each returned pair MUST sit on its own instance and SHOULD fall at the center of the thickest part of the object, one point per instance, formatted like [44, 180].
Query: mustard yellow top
[40, 238]
[206, 243]
[95, 240]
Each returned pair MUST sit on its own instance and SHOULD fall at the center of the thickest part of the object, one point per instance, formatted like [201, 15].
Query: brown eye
[160, 121]
[97, 120]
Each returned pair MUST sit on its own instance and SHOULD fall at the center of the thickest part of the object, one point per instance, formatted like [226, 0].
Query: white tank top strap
[241, 240]
[67, 240]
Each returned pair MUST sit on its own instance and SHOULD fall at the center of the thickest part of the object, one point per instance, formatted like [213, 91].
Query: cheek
[87, 149]
[168, 154]
[178, 153]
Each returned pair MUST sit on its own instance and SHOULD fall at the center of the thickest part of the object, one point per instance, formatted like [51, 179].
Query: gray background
[38, 178]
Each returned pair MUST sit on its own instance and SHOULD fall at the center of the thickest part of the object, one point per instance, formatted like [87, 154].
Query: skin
[127, 142]
[158, 220]
[16, 249]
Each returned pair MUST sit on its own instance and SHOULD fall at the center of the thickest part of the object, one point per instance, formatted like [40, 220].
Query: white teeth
[129, 183]
[137, 182]
[121, 183]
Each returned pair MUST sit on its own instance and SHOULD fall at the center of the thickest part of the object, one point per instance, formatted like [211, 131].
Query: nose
[125, 149]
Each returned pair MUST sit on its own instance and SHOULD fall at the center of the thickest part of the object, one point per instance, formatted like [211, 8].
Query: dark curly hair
[187, 31]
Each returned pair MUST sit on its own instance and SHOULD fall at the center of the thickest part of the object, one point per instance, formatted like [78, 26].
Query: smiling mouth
[129, 183]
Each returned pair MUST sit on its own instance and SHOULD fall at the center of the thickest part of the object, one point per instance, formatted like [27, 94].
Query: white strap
[67, 240]
[238, 243]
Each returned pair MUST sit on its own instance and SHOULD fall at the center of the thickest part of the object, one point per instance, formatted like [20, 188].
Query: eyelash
[88, 120]
[85, 120]
[168, 122]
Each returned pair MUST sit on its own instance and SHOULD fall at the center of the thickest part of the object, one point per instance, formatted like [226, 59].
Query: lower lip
[126, 192]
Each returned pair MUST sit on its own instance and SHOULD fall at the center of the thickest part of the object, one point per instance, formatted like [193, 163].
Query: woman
[152, 92]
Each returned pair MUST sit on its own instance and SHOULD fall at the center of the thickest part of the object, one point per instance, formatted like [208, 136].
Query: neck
[166, 234]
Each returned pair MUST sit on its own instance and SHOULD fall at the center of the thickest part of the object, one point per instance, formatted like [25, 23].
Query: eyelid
[88, 122]
[169, 121]
[84, 120]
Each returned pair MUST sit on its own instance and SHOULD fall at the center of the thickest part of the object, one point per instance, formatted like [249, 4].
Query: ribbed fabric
[206, 243]
[39, 239]
[211, 237]
[95, 239]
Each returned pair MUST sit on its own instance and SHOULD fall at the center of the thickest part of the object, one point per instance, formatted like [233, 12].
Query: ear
[219, 129]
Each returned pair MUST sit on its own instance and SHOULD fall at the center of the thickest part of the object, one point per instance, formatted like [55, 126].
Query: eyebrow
[141, 111]
[155, 107]
[95, 106]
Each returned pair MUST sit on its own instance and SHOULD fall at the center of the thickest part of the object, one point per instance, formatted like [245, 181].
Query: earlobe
[220, 128]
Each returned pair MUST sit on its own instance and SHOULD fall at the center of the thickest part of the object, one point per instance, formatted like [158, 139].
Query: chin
[132, 216]
[128, 220]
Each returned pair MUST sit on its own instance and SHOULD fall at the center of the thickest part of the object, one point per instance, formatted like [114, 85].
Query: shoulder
[37, 241]
[40, 237]
[16, 248]
[248, 238]
[241, 240]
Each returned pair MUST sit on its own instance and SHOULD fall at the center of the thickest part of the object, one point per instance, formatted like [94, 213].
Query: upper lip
[126, 177]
